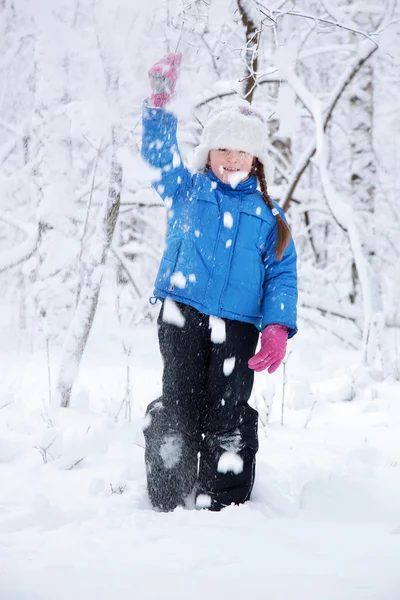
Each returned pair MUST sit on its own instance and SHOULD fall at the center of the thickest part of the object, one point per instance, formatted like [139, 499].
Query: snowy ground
[323, 523]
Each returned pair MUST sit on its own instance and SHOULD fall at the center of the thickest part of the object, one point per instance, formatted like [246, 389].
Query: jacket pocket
[242, 299]
[244, 290]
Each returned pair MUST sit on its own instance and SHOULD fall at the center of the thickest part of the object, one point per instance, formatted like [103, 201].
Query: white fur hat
[238, 126]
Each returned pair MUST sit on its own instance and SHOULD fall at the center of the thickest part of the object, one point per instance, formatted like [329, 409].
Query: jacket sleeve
[280, 284]
[160, 150]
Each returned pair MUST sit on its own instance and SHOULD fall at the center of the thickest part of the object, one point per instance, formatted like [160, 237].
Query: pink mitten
[163, 76]
[273, 348]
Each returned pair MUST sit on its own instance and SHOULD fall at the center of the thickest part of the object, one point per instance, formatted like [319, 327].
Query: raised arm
[159, 142]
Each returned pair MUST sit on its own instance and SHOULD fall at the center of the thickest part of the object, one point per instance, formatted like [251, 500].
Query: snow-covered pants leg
[230, 441]
[173, 422]
[204, 408]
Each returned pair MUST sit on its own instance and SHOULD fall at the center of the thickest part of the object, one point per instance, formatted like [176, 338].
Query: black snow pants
[201, 435]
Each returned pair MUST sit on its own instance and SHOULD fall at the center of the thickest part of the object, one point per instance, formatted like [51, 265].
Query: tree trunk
[251, 58]
[363, 187]
[92, 276]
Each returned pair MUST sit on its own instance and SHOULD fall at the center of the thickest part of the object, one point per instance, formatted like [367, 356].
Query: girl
[227, 273]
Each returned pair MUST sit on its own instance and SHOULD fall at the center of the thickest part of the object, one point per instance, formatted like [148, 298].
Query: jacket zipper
[230, 260]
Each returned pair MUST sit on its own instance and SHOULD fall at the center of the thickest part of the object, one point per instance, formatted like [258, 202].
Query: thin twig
[48, 369]
[75, 464]
[328, 22]
[85, 225]
[6, 404]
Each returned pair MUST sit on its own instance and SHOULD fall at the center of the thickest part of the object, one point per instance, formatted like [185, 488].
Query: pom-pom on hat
[235, 126]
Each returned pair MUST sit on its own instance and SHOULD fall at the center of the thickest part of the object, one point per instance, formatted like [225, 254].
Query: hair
[283, 229]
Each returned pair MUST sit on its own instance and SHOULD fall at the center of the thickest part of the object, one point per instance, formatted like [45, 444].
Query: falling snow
[178, 279]
[235, 178]
[229, 365]
[176, 160]
[218, 332]
[228, 220]
[172, 314]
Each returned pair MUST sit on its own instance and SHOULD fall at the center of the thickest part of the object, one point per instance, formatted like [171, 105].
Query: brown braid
[283, 229]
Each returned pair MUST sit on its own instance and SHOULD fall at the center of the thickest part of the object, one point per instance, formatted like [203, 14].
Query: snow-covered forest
[81, 235]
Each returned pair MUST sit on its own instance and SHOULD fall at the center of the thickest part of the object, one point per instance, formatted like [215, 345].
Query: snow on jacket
[219, 255]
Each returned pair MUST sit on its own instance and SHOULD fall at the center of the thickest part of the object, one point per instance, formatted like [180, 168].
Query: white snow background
[323, 521]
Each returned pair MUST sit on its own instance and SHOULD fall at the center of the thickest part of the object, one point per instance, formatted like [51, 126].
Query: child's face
[230, 166]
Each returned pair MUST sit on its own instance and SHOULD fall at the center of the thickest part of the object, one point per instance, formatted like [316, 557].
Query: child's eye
[222, 149]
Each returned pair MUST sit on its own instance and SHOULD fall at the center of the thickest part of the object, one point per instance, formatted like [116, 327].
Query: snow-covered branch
[366, 50]
[27, 228]
[14, 257]
[6, 150]
[119, 255]
[8, 127]
[344, 214]
[22, 251]
[329, 22]
[323, 306]
[312, 317]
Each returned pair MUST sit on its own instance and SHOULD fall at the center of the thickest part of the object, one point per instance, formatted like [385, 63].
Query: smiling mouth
[230, 169]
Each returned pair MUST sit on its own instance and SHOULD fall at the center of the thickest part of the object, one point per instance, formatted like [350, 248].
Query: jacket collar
[244, 187]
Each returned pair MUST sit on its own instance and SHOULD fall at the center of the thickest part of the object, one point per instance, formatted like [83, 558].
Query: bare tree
[93, 269]
[250, 50]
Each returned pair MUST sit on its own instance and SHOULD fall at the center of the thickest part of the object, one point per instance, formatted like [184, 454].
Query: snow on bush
[298, 394]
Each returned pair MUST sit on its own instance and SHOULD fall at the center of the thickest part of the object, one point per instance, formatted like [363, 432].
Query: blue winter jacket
[220, 247]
